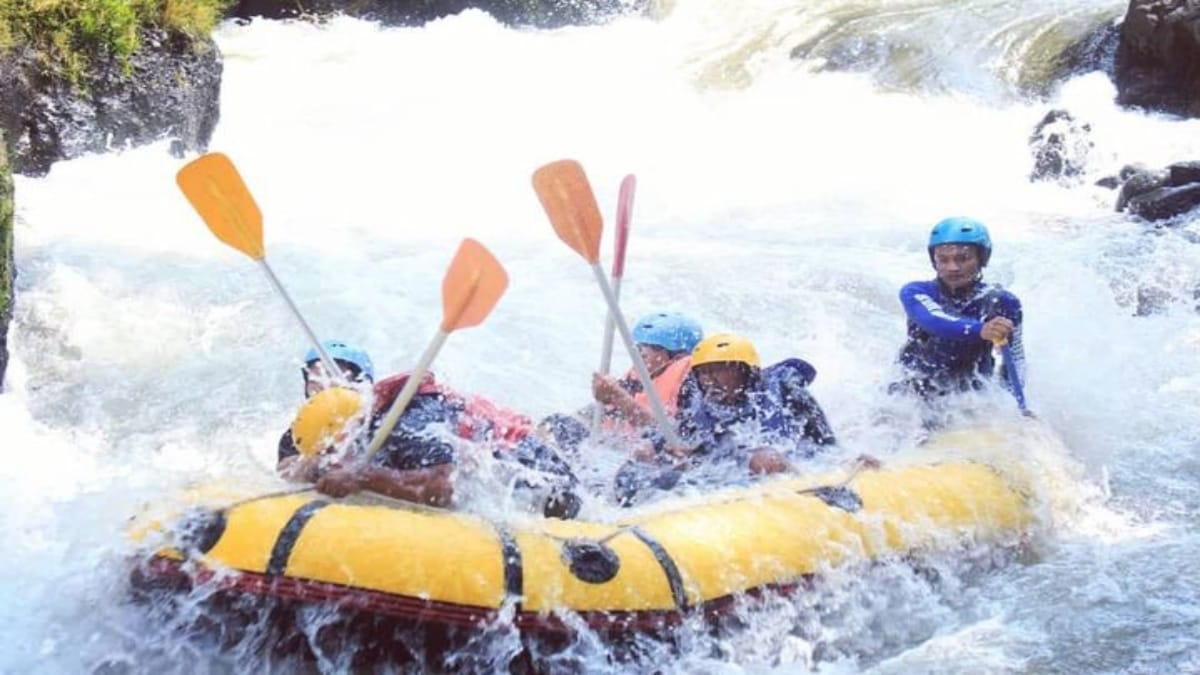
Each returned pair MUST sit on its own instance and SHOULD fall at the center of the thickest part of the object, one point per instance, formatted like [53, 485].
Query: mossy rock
[6, 256]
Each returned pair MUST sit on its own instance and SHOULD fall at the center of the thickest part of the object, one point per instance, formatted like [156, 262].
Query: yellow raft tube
[655, 565]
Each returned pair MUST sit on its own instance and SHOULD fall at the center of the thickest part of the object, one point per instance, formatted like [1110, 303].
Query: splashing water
[777, 198]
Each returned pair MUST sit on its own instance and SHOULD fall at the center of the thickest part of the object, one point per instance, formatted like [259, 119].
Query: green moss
[68, 34]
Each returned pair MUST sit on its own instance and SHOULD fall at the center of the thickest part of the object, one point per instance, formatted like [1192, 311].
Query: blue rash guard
[944, 351]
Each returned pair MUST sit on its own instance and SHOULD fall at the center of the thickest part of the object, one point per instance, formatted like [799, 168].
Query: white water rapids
[773, 200]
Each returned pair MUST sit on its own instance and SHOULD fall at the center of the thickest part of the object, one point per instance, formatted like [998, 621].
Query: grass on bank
[68, 33]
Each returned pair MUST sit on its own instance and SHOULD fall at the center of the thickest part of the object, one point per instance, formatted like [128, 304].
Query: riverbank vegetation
[68, 34]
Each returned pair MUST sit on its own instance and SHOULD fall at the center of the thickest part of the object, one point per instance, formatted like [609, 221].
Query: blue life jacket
[777, 410]
[943, 330]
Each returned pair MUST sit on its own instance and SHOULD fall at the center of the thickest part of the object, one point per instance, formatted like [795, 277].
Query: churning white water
[773, 200]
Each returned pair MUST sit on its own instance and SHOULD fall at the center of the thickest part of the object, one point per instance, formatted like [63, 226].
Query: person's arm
[803, 406]
[432, 486]
[609, 392]
[920, 306]
[291, 465]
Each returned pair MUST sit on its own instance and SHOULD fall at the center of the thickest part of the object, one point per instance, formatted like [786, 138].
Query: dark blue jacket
[943, 330]
[777, 410]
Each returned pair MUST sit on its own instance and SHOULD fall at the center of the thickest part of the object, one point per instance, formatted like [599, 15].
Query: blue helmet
[672, 331]
[962, 230]
[341, 351]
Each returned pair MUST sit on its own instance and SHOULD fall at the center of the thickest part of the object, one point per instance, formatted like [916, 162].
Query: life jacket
[667, 384]
[479, 418]
[767, 407]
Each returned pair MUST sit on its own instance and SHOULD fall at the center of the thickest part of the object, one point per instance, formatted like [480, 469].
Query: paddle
[569, 202]
[620, 242]
[215, 189]
[471, 288]
[1014, 378]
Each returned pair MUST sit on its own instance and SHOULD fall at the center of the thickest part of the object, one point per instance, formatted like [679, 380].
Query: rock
[7, 270]
[169, 89]
[1158, 59]
[1061, 146]
[1097, 50]
[1139, 181]
[1183, 173]
[540, 13]
[1165, 202]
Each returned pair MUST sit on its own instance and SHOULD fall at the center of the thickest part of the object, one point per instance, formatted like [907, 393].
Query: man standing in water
[955, 319]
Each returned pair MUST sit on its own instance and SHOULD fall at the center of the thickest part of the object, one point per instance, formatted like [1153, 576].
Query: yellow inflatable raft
[654, 565]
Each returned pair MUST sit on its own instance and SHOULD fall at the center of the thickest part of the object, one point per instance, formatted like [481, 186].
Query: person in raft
[665, 341]
[736, 419]
[955, 319]
[418, 459]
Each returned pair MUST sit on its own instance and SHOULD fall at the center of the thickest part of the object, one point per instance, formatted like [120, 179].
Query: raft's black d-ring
[199, 530]
[839, 496]
[590, 561]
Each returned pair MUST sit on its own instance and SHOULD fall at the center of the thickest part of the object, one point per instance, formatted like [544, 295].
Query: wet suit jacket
[777, 411]
[944, 351]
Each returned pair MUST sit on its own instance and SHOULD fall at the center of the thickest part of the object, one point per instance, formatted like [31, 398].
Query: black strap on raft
[286, 541]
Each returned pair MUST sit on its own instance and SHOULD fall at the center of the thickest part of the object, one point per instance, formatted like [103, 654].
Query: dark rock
[1158, 60]
[1138, 182]
[1097, 50]
[1061, 146]
[169, 89]
[1165, 202]
[1184, 173]
[1110, 182]
[7, 269]
[540, 13]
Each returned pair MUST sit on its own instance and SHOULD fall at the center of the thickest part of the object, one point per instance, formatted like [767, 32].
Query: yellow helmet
[322, 418]
[725, 348]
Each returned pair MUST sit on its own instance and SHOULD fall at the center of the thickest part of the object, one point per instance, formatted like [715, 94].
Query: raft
[654, 566]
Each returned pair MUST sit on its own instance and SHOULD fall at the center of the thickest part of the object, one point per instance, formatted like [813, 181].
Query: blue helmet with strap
[672, 331]
[962, 230]
[341, 351]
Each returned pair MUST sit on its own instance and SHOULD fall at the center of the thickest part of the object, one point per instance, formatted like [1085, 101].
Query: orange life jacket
[667, 384]
[480, 414]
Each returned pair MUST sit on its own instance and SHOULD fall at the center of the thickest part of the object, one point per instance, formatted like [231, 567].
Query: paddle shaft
[620, 244]
[1014, 379]
[406, 394]
[331, 366]
[656, 404]
[610, 327]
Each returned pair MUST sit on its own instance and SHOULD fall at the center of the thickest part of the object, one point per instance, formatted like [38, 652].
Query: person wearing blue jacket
[955, 319]
[736, 420]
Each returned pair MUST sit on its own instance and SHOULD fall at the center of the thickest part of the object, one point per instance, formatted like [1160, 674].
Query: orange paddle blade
[568, 199]
[217, 192]
[472, 287]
